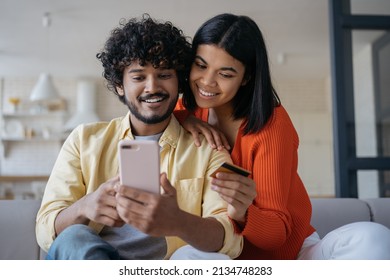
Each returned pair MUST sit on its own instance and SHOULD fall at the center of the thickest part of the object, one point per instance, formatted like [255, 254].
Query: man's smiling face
[150, 93]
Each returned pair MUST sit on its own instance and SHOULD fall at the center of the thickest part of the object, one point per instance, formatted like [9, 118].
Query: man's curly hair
[147, 41]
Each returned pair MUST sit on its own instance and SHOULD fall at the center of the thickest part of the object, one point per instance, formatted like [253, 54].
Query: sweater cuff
[237, 227]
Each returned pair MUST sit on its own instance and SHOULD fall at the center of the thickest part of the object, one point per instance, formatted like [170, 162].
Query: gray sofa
[17, 221]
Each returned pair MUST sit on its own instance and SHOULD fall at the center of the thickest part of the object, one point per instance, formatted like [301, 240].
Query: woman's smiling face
[215, 77]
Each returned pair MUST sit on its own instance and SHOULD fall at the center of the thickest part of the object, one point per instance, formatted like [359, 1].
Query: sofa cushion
[17, 229]
[329, 213]
[380, 210]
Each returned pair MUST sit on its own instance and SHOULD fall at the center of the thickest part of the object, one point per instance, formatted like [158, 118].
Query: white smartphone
[139, 164]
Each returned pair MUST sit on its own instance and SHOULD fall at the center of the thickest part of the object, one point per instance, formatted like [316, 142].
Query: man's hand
[160, 215]
[153, 214]
[100, 206]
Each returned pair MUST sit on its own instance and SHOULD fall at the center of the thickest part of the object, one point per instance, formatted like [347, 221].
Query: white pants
[355, 241]
[188, 252]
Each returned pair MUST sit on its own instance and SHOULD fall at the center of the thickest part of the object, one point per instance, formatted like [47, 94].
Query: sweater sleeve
[274, 162]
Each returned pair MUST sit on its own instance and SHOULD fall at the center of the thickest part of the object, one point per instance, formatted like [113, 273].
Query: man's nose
[152, 85]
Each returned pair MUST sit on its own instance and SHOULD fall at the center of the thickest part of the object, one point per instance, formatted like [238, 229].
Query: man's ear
[120, 91]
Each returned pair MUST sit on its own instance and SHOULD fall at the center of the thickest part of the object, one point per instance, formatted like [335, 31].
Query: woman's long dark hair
[242, 39]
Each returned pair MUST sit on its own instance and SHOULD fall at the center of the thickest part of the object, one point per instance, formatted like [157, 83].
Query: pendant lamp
[45, 91]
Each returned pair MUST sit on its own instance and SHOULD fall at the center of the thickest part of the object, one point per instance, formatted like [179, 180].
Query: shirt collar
[170, 135]
[124, 128]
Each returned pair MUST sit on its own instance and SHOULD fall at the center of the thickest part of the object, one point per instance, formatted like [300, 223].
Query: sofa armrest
[17, 230]
[380, 210]
[331, 213]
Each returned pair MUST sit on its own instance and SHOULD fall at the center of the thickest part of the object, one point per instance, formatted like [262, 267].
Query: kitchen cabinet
[22, 187]
[29, 128]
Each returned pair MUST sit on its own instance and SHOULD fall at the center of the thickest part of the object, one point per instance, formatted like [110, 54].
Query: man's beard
[155, 119]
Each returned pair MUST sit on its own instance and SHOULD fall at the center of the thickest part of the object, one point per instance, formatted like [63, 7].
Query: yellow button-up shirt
[89, 158]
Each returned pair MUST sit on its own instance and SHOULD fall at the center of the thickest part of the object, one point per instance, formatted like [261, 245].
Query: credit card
[231, 168]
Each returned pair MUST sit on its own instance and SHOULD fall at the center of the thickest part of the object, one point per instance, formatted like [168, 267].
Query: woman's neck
[220, 115]
[222, 118]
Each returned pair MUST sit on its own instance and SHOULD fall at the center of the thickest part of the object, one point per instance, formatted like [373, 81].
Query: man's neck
[142, 129]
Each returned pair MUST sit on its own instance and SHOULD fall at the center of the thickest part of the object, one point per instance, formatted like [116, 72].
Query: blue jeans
[80, 242]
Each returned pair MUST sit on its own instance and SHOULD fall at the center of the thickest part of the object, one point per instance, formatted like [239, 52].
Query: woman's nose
[208, 79]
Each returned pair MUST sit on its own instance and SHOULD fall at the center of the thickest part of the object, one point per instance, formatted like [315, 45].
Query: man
[88, 214]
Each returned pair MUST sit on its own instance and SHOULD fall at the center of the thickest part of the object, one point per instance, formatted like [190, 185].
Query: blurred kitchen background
[45, 43]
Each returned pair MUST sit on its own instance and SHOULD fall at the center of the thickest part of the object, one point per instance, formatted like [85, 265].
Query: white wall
[309, 105]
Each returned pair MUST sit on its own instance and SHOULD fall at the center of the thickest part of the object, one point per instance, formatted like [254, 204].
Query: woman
[232, 91]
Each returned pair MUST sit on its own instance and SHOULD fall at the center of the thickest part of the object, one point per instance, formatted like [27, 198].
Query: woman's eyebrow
[200, 58]
[229, 69]
[222, 68]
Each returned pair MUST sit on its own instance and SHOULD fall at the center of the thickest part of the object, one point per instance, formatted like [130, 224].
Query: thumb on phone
[166, 185]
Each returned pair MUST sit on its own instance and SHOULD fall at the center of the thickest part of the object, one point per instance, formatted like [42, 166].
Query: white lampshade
[44, 90]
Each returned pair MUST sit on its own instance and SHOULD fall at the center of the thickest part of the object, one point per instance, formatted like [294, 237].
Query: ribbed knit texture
[278, 221]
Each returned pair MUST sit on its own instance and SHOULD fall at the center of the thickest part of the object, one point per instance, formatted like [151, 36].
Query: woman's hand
[238, 191]
[214, 137]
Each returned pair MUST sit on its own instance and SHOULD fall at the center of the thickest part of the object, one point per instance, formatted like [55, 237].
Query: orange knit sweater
[278, 221]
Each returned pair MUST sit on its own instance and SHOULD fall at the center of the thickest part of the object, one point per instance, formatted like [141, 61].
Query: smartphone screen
[139, 164]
